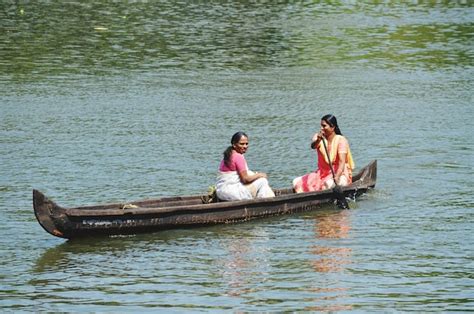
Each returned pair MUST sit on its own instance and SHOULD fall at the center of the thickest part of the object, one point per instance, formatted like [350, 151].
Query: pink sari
[322, 178]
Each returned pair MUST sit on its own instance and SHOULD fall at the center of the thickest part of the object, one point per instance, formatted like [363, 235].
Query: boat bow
[45, 210]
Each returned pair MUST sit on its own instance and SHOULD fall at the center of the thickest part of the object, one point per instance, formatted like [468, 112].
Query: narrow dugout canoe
[182, 211]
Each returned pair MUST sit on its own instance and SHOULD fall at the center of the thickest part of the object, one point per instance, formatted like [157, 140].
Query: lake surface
[115, 101]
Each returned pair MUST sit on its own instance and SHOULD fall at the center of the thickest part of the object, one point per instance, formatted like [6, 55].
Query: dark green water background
[104, 101]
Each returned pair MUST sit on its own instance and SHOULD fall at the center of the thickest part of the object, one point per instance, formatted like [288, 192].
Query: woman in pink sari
[340, 158]
[235, 181]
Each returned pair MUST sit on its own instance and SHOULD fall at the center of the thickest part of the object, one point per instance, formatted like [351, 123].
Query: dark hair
[332, 121]
[235, 139]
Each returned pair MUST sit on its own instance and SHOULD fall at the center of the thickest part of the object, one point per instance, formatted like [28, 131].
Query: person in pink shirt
[235, 181]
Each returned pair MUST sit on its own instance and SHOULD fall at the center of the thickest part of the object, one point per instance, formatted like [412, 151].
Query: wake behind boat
[183, 211]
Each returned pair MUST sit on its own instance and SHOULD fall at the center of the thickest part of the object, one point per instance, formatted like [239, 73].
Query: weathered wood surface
[182, 211]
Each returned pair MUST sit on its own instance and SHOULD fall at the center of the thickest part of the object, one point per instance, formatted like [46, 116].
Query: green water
[104, 101]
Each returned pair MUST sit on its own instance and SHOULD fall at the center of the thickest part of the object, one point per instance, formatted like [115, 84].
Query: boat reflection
[73, 254]
[77, 252]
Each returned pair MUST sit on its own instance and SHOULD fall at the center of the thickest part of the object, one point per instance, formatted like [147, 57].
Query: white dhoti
[230, 188]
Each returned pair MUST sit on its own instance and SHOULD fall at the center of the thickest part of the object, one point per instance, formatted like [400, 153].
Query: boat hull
[180, 212]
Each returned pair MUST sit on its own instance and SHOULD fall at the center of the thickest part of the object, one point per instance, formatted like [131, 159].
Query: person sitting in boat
[340, 159]
[235, 181]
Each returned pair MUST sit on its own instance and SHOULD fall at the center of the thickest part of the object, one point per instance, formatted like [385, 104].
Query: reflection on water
[329, 227]
[333, 225]
[244, 262]
[237, 266]
[335, 305]
[65, 255]
[53, 259]
[330, 259]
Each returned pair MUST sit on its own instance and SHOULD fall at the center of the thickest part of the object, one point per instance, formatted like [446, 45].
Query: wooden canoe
[182, 211]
